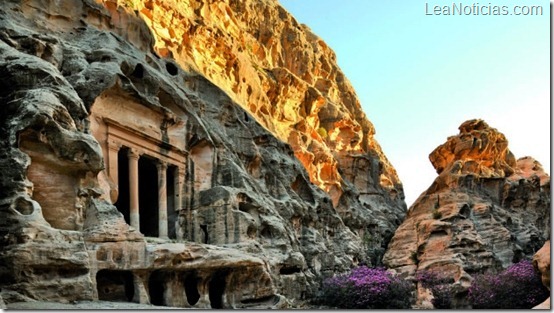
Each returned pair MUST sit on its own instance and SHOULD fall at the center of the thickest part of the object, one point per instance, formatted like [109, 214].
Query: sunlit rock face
[483, 212]
[287, 78]
[190, 154]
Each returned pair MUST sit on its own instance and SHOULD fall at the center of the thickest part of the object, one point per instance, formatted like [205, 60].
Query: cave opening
[156, 288]
[148, 196]
[191, 288]
[206, 236]
[216, 289]
[148, 203]
[116, 286]
[172, 214]
[122, 203]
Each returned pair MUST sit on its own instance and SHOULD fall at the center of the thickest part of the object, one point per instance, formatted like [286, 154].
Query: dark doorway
[122, 203]
[115, 286]
[156, 288]
[148, 196]
[191, 288]
[217, 289]
[206, 236]
[172, 215]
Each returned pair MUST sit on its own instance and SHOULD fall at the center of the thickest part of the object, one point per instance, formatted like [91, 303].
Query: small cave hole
[288, 270]
[438, 233]
[138, 72]
[24, 206]
[216, 289]
[156, 288]
[251, 232]
[204, 229]
[116, 286]
[171, 68]
[266, 232]
[465, 211]
[191, 289]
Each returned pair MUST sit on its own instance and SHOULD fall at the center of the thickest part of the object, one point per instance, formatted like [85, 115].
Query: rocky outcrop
[157, 154]
[483, 212]
[287, 78]
[541, 263]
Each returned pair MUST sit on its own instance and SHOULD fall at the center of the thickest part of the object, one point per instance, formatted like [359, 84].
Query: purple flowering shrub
[367, 288]
[439, 285]
[518, 287]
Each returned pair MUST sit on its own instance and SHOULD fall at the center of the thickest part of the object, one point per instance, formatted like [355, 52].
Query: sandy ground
[85, 305]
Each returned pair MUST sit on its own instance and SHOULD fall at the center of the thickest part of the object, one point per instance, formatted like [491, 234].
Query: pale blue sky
[420, 76]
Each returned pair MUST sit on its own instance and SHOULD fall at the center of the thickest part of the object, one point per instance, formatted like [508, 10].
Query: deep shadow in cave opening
[216, 289]
[115, 286]
[122, 203]
[148, 196]
[191, 288]
[156, 288]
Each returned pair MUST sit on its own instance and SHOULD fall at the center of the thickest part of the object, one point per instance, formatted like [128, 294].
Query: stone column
[113, 149]
[178, 185]
[162, 199]
[133, 156]
[178, 182]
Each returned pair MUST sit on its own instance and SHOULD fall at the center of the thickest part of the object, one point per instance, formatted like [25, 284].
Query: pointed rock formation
[483, 212]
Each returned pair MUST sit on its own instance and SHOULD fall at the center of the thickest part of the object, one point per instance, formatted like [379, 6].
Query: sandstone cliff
[170, 152]
[483, 212]
[541, 263]
[288, 79]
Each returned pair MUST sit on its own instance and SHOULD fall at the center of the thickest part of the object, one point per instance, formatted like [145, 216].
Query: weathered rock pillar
[162, 199]
[134, 156]
[178, 181]
[140, 280]
[178, 185]
[113, 149]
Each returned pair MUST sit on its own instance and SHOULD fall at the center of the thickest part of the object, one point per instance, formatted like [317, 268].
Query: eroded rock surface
[288, 79]
[166, 152]
[483, 212]
[541, 263]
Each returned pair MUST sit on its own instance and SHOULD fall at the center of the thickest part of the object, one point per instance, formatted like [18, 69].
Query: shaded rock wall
[483, 212]
[83, 94]
[541, 264]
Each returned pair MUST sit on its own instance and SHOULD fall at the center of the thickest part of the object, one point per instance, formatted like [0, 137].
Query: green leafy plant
[322, 132]
[413, 257]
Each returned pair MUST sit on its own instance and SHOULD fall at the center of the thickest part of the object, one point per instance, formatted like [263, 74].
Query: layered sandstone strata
[288, 79]
[166, 152]
[483, 212]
